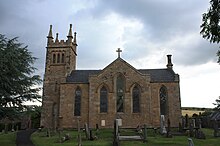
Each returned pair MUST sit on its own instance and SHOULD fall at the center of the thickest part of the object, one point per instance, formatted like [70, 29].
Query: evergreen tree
[217, 104]
[17, 82]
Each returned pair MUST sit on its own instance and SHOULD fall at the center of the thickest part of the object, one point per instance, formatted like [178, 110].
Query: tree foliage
[16, 76]
[210, 27]
[217, 104]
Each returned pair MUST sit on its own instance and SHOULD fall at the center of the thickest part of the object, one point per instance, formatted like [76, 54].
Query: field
[105, 138]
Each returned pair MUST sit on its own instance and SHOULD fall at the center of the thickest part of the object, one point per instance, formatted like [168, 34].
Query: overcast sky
[146, 31]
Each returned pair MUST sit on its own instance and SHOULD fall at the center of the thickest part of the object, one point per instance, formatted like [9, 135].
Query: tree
[210, 27]
[16, 77]
[217, 104]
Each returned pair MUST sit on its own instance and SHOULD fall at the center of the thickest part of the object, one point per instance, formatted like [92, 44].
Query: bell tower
[60, 61]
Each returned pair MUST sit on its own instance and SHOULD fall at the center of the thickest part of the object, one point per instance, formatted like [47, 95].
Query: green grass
[105, 138]
[8, 139]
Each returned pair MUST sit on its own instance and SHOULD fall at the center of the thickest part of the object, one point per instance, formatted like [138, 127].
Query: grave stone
[103, 123]
[145, 133]
[169, 135]
[216, 130]
[187, 121]
[200, 123]
[191, 130]
[116, 139]
[183, 122]
[87, 130]
[190, 142]
[162, 125]
[200, 135]
[194, 123]
[79, 134]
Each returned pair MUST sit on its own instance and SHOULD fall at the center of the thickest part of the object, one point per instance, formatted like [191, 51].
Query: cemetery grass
[105, 138]
[8, 139]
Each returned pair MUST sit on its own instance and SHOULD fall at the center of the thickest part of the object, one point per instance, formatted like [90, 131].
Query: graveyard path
[24, 138]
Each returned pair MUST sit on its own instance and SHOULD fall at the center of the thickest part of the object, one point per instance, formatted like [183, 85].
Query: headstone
[193, 123]
[183, 122]
[187, 120]
[87, 130]
[103, 123]
[200, 134]
[116, 139]
[79, 134]
[90, 134]
[190, 142]
[145, 133]
[216, 130]
[119, 122]
[162, 125]
[200, 123]
[191, 130]
[169, 135]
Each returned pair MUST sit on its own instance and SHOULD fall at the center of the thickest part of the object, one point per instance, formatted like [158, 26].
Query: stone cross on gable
[119, 51]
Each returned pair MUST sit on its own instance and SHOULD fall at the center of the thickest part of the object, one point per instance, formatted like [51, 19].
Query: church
[97, 97]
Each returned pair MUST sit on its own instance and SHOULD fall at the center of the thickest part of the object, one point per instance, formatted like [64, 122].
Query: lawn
[105, 138]
[8, 139]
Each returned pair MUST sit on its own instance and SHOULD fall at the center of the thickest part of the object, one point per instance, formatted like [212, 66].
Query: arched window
[54, 58]
[77, 105]
[136, 99]
[58, 58]
[163, 100]
[62, 58]
[103, 100]
[120, 87]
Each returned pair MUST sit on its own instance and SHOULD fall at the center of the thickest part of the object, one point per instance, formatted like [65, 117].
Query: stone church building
[137, 96]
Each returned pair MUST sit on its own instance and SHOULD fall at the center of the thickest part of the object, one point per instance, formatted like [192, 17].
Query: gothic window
[163, 100]
[77, 105]
[62, 58]
[54, 58]
[136, 99]
[103, 100]
[58, 58]
[120, 89]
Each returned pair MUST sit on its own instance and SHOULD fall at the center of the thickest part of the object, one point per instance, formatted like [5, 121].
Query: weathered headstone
[187, 121]
[183, 122]
[169, 135]
[162, 125]
[190, 142]
[145, 133]
[194, 123]
[200, 134]
[216, 130]
[87, 130]
[102, 123]
[116, 139]
[191, 130]
[79, 134]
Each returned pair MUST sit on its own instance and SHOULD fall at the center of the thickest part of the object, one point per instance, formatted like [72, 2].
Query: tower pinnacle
[50, 35]
[74, 40]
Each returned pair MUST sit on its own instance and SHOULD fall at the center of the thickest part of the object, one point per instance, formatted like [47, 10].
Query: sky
[145, 30]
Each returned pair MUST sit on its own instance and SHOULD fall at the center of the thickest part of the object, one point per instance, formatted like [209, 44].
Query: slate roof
[215, 115]
[156, 75]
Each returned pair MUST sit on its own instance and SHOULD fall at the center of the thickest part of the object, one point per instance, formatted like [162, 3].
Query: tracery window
[136, 99]
[103, 100]
[77, 105]
[120, 89]
[163, 100]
